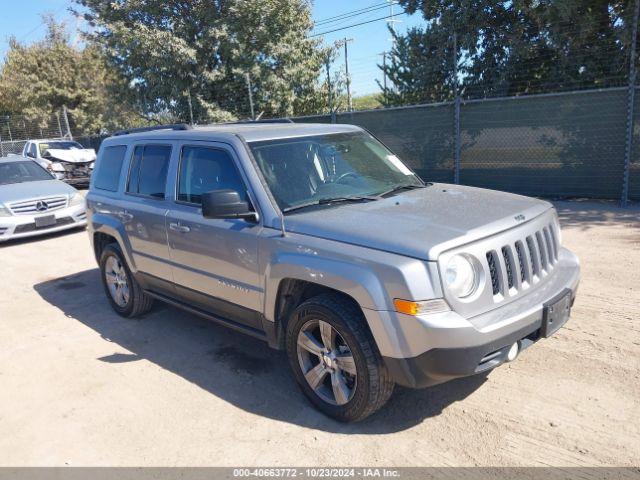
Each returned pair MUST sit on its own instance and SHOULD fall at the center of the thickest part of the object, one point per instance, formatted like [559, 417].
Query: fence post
[66, 121]
[456, 158]
[630, 106]
[1, 146]
[456, 113]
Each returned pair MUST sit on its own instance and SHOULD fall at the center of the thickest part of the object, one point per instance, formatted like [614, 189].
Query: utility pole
[630, 105]
[384, 70]
[190, 106]
[330, 93]
[248, 77]
[391, 21]
[346, 69]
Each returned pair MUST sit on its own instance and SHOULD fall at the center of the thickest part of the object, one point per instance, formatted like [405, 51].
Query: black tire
[138, 302]
[373, 383]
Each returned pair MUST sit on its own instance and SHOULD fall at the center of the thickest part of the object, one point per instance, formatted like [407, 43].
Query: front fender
[350, 278]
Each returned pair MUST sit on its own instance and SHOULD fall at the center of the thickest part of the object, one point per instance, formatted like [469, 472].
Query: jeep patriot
[321, 241]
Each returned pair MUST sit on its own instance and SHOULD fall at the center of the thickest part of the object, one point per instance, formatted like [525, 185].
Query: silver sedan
[32, 202]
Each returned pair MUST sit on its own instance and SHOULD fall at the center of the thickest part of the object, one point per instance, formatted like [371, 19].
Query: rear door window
[107, 176]
[148, 172]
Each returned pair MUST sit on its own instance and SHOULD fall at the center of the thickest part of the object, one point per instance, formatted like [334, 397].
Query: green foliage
[509, 47]
[367, 102]
[37, 80]
[173, 51]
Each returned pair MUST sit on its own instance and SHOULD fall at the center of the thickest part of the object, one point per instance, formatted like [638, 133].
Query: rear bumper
[431, 349]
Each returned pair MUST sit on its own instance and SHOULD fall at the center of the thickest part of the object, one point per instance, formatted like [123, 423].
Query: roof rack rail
[171, 126]
[266, 120]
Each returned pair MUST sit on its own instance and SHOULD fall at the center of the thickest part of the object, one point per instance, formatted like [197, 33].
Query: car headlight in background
[4, 211]
[461, 277]
[55, 167]
[76, 199]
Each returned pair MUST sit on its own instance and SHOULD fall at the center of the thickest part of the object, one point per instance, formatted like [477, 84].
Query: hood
[16, 192]
[73, 156]
[419, 223]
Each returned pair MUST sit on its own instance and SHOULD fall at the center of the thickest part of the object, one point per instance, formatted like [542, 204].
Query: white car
[33, 202]
[65, 159]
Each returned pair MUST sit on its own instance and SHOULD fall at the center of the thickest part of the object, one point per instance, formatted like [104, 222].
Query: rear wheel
[335, 360]
[123, 291]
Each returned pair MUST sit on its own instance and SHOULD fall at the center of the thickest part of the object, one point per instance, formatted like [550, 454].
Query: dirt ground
[81, 386]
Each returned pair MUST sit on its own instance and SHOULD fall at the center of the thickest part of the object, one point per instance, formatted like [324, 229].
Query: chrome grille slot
[506, 254]
[534, 260]
[542, 252]
[524, 276]
[550, 246]
[30, 207]
[493, 271]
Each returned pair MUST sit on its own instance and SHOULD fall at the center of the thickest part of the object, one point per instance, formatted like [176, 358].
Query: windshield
[304, 170]
[19, 172]
[59, 146]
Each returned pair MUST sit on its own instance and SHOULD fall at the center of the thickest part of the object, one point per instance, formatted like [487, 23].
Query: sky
[22, 20]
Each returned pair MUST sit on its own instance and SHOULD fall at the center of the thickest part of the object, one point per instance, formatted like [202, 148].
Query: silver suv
[319, 240]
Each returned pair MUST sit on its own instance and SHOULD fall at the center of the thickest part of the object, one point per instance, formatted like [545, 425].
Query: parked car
[33, 202]
[65, 159]
[319, 240]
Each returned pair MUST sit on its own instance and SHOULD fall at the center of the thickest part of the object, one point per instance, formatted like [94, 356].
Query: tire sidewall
[114, 251]
[311, 311]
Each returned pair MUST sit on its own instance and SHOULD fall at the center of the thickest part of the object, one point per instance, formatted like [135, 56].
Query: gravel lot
[81, 386]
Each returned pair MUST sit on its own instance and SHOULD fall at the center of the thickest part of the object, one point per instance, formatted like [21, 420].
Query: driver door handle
[176, 227]
[125, 216]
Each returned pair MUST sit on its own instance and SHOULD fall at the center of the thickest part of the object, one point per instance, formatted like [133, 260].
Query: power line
[335, 18]
[351, 26]
[33, 30]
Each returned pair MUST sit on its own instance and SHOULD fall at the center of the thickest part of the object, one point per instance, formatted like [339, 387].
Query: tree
[39, 79]
[509, 48]
[179, 54]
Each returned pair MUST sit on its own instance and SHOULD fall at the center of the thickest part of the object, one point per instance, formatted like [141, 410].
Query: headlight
[460, 276]
[92, 165]
[76, 199]
[4, 211]
[55, 167]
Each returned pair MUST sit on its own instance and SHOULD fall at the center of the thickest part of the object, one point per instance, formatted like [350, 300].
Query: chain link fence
[558, 145]
[569, 144]
[16, 130]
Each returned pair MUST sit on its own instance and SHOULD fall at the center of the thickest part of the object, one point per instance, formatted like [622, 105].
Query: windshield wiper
[330, 200]
[399, 188]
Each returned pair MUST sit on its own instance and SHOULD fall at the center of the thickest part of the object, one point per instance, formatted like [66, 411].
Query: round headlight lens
[460, 276]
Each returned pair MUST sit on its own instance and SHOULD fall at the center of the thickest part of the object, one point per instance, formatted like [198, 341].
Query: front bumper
[23, 226]
[431, 349]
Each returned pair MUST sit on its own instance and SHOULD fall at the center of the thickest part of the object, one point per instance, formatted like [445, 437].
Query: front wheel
[335, 360]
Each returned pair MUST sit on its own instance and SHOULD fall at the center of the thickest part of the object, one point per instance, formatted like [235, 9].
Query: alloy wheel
[327, 363]
[117, 281]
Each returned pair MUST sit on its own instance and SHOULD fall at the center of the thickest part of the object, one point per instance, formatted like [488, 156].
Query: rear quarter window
[107, 176]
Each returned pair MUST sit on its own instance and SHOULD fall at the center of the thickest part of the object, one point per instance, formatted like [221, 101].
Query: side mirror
[226, 204]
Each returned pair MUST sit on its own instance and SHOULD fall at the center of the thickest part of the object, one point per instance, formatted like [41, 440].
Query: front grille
[517, 267]
[30, 207]
[31, 227]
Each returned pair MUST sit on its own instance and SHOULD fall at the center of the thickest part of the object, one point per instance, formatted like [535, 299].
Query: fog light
[513, 352]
